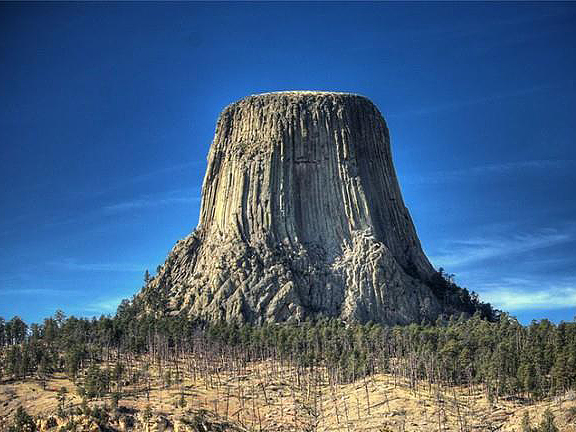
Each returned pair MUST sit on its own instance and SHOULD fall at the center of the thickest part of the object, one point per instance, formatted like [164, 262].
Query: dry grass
[261, 400]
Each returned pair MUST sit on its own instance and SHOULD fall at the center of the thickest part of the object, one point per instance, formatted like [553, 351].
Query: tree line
[504, 357]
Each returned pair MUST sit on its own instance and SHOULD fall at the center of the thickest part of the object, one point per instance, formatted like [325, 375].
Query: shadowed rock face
[301, 216]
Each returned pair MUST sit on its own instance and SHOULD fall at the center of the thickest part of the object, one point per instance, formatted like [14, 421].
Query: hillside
[263, 398]
[465, 375]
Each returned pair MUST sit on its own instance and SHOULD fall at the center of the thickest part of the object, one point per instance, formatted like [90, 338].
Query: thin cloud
[104, 306]
[491, 29]
[147, 176]
[465, 252]
[146, 201]
[73, 265]
[37, 291]
[12, 225]
[518, 294]
[458, 104]
[141, 203]
[166, 170]
[171, 198]
[464, 30]
[14, 277]
[489, 169]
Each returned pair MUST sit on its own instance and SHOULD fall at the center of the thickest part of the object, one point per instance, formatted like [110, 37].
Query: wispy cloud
[144, 177]
[489, 169]
[73, 265]
[174, 197]
[516, 294]
[493, 27]
[19, 276]
[36, 292]
[104, 306]
[465, 252]
[459, 104]
[170, 198]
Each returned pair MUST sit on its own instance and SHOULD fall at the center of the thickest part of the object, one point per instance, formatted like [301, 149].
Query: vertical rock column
[301, 216]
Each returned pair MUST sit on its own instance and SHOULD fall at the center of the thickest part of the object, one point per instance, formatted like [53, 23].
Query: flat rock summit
[301, 216]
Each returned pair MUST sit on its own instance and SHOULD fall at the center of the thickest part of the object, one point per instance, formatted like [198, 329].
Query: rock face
[301, 216]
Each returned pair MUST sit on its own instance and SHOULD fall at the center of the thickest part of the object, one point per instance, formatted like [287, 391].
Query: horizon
[109, 111]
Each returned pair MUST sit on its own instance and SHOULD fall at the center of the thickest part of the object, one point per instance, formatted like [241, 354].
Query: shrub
[571, 415]
[547, 423]
[525, 425]
[23, 422]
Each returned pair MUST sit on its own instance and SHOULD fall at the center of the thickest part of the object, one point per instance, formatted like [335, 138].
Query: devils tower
[301, 216]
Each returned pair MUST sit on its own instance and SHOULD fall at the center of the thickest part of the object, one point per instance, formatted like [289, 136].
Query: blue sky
[108, 111]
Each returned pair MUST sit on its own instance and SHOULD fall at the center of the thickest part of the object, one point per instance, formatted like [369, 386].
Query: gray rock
[301, 216]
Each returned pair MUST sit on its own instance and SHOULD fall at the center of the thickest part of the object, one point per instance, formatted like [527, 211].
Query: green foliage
[14, 361]
[456, 298]
[97, 382]
[51, 422]
[571, 415]
[168, 379]
[547, 424]
[147, 414]
[182, 401]
[118, 372]
[101, 415]
[530, 362]
[525, 425]
[84, 407]
[115, 399]
[23, 422]
[73, 358]
[15, 331]
[147, 277]
[61, 396]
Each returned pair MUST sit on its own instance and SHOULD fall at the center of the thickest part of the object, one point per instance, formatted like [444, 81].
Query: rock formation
[301, 216]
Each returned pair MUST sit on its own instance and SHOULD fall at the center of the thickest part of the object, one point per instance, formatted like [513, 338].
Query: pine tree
[547, 423]
[61, 400]
[525, 425]
[59, 317]
[2, 332]
[92, 382]
[115, 400]
[17, 330]
[13, 361]
[23, 422]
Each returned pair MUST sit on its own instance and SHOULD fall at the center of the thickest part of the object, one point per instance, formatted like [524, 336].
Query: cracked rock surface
[301, 216]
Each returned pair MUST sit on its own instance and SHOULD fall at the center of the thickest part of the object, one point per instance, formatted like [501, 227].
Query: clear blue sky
[108, 111]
